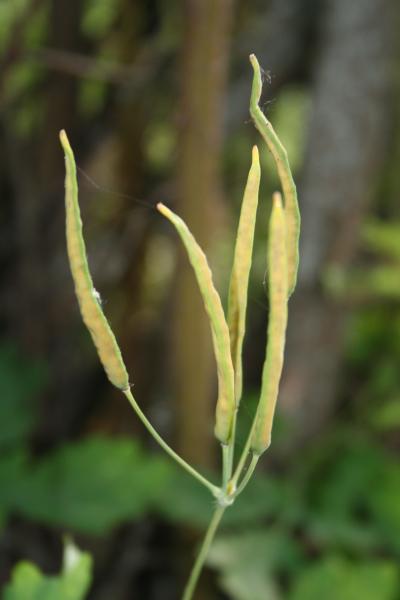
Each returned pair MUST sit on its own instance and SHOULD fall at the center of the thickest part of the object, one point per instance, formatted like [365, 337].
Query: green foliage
[92, 485]
[28, 583]
[98, 17]
[20, 381]
[185, 502]
[379, 281]
[382, 238]
[248, 563]
[334, 578]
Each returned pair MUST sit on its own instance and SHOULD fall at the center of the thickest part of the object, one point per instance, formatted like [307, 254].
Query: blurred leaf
[92, 97]
[382, 238]
[20, 381]
[332, 532]
[290, 116]
[28, 583]
[12, 472]
[387, 416]
[247, 562]
[345, 487]
[159, 145]
[9, 13]
[99, 17]
[186, 502]
[384, 502]
[378, 282]
[93, 485]
[372, 333]
[334, 578]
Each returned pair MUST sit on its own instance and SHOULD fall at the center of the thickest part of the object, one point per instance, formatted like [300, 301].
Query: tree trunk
[344, 154]
[207, 25]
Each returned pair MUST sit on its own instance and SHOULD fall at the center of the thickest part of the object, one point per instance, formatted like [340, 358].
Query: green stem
[243, 456]
[226, 464]
[213, 488]
[202, 555]
[248, 474]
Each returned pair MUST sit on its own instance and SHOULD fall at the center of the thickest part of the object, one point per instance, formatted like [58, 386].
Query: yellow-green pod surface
[92, 314]
[278, 294]
[282, 164]
[237, 300]
[225, 409]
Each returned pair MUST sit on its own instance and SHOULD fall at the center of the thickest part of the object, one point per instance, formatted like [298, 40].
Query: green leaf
[28, 583]
[247, 562]
[184, 501]
[383, 501]
[13, 471]
[334, 578]
[380, 281]
[383, 238]
[20, 381]
[387, 416]
[93, 485]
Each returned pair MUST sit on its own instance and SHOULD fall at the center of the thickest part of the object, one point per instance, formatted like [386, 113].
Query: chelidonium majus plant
[227, 331]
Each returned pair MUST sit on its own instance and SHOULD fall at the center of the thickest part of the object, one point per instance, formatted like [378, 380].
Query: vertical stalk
[202, 555]
[226, 464]
[248, 474]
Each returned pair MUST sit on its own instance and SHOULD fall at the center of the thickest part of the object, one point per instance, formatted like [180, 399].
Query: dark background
[154, 97]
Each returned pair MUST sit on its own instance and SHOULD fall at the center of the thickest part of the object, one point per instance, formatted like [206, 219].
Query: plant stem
[213, 488]
[226, 464]
[248, 474]
[244, 454]
[202, 555]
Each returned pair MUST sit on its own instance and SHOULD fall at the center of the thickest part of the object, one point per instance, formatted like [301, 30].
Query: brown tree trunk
[205, 53]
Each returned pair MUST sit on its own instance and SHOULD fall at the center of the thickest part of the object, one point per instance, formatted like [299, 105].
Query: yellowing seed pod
[237, 299]
[278, 294]
[219, 329]
[282, 164]
[92, 314]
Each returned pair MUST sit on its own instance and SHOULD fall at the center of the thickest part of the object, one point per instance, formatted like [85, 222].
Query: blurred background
[154, 96]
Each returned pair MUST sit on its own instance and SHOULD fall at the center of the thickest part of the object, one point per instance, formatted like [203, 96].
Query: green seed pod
[237, 302]
[278, 294]
[282, 164]
[92, 314]
[219, 329]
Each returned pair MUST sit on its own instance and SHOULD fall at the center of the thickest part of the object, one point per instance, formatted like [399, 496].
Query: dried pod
[278, 294]
[237, 303]
[282, 164]
[219, 329]
[91, 311]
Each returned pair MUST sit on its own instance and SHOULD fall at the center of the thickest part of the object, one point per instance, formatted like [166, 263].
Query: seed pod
[237, 300]
[277, 284]
[219, 329]
[92, 314]
[282, 164]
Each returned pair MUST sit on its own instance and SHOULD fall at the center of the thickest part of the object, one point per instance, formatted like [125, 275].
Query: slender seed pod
[277, 283]
[237, 300]
[225, 409]
[92, 314]
[282, 164]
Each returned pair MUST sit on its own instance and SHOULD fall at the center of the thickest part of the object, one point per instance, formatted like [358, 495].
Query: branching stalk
[227, 334]
[188, 468]
[248, 475]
